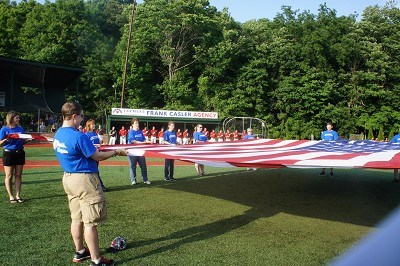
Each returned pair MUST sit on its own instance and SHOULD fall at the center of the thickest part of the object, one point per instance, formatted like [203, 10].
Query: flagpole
[127, 53]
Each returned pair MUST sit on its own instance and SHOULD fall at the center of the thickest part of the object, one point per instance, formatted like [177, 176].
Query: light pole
[127, 53]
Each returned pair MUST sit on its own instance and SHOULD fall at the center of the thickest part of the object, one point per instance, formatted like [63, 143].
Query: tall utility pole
[127, 53]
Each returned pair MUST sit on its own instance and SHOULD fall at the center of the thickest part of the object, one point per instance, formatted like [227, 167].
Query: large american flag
[274, 153]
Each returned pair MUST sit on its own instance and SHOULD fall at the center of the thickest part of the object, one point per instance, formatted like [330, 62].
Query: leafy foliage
[297, 71]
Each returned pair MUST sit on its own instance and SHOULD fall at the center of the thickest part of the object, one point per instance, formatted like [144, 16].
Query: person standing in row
[13, 156]
[329, 135]
[113, 136]
[169, 138]
[78, 158]
[178, 136]
[146, 133]
[199, 136]
[136, 136]
[249, 136]
[161, 136]
[95, 139]
[228, 135]
[221, 136]
[122, 135]
[213, 136]
[153, 135]
[185, 140]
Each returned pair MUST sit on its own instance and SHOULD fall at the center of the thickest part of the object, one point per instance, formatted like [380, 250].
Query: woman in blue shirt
[199, 136]
[94, 138]
[13, 155]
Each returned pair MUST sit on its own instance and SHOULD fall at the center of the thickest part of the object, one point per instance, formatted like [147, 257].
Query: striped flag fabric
[32, 136]
[274, 153]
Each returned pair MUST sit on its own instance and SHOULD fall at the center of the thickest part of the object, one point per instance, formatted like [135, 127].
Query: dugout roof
[28, 86]
[112, 119]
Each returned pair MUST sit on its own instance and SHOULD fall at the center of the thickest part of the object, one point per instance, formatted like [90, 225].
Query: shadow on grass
[353, 196]
[197, 233]
[359, 197]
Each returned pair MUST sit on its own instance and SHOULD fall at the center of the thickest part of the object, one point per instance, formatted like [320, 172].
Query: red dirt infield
[42, 164]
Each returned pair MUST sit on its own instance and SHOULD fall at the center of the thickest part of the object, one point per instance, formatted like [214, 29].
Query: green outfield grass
[229, 217]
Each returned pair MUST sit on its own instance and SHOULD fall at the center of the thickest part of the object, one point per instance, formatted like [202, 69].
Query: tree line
[296, 71]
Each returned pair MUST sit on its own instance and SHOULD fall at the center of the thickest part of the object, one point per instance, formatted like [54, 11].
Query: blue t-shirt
[135, 135]
[73, 150]
[12, 144]
[170, 137]
[249, 136]
[329, 135]
[395, 139]
[93, 136]
[199, 136]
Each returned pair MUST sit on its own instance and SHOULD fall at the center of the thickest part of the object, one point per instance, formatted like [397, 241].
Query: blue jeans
[142, 163]
[169, 168]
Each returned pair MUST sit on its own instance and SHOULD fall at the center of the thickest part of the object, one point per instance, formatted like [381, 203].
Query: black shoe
[167, 179]
[331, 173]
[103, 262]
[322, 173]
[172, 179]
[81, 257]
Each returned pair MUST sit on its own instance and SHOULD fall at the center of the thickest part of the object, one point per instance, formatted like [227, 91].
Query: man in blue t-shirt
[78, 158]
[136, 136]
[169, 138]
[329, 135]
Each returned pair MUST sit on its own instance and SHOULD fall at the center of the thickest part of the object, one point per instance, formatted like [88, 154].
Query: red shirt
[179, 134]
[145, 132]
[236, 136]
[228, 135]
[153, 132]
[185, 134]
[122, 132]
[161, 134]
[221, 135]
[213, 135]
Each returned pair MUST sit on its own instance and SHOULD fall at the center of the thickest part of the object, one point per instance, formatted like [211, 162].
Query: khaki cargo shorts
[86, 198]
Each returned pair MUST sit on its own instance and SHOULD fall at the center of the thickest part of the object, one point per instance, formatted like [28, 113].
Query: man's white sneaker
[133, 183]
[147, 182]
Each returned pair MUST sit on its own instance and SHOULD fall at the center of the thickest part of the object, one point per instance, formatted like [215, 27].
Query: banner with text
[164, 113]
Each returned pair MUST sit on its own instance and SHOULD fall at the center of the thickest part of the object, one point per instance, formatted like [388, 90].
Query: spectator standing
[169, 138]
[113, 136]
[78, 156]
[122, 135]
[13, 156]
[42, 127]
[136, 136]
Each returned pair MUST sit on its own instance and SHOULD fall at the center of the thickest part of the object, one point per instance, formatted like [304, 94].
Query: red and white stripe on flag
[29, 136]
[273, 153]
